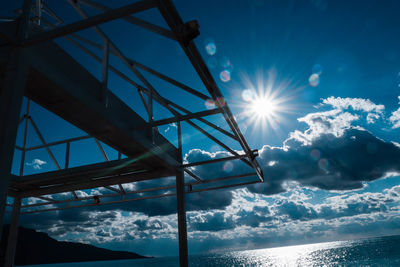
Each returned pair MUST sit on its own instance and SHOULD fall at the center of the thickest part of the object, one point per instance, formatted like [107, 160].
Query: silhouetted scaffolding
[34, 66]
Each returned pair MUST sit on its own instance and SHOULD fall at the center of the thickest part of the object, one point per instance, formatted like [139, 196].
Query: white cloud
[328, 122]
[36, 164]
[171, 125]
[395, 118]
[357, 104]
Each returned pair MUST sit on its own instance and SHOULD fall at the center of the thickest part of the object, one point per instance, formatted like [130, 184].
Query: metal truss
[46, 26]
[181, 32]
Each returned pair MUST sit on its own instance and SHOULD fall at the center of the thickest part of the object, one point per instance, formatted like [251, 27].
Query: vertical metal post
[39, 10]
[180, 198]
[13, 234]
[15, 76]
[21, 168]
[106, 53]
[67, 149]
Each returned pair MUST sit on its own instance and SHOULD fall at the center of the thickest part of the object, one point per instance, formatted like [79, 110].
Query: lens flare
[248, 95]
[228, 166]
[315, 154]
[314, 80]
[226, 63]
[211, 48]
[323, 164]
[225, 76]
[210, 104]
[317, 69]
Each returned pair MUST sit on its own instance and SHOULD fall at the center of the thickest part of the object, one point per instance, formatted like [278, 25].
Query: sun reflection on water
[301, 255]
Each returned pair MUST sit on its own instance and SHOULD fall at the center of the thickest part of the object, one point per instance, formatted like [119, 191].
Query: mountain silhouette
[39, 248]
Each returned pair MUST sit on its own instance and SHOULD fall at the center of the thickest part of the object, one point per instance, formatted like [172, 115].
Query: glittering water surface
[381, 251]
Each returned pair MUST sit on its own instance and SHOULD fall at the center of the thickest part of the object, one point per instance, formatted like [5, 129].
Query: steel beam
[177, 118]
[66, 141]
[90, 22]
[182, 231]
[11, 95]
[181, 210]
[13, 234]
[136, 21]
[175, 22]
[95, 182]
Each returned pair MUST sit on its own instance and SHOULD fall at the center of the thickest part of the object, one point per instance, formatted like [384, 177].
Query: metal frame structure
[34, 30]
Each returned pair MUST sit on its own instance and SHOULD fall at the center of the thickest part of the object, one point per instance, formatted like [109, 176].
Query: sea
[378, 251]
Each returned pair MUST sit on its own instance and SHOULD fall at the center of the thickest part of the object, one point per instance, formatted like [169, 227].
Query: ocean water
[380, 251]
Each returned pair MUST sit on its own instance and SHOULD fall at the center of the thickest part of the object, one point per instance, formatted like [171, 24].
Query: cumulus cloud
[395, 117]
[357, 104]
[329, 162]
[36, 164]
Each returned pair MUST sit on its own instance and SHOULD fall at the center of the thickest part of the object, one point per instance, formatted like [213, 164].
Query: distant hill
[39, 248]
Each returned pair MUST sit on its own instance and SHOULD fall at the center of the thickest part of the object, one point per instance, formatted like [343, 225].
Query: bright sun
[263, 107]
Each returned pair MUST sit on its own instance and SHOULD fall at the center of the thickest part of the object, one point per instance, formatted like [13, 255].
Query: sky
[313, 84]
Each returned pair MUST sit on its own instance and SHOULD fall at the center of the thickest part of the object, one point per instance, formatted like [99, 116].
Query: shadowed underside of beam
[63, 86]
[60, 84]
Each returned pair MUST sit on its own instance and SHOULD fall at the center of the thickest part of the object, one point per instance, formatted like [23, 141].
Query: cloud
[395, 118]
[330, 154]
[329, 162]
[357, 104]
[36, 164]
[171, 125]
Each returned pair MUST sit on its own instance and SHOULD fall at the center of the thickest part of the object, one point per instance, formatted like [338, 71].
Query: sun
[264, 107]
[266, 103]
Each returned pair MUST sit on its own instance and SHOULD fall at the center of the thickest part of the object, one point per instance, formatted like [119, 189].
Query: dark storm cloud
[329, 162]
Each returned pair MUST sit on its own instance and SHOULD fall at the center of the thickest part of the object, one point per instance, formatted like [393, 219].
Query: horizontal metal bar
[19, 148]
[180, 118]
[139, 198]
[90, 22]
[222, 187]
[7, 19]
[223, 178]
[132, 199]
[136, 21]
[100, 204]
[102, 196]
[198, 182]
[213, 161]
[99, 182]
[59, 142]
[186, 117]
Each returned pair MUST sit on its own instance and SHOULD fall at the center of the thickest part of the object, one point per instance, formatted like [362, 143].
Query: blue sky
[329, 150]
